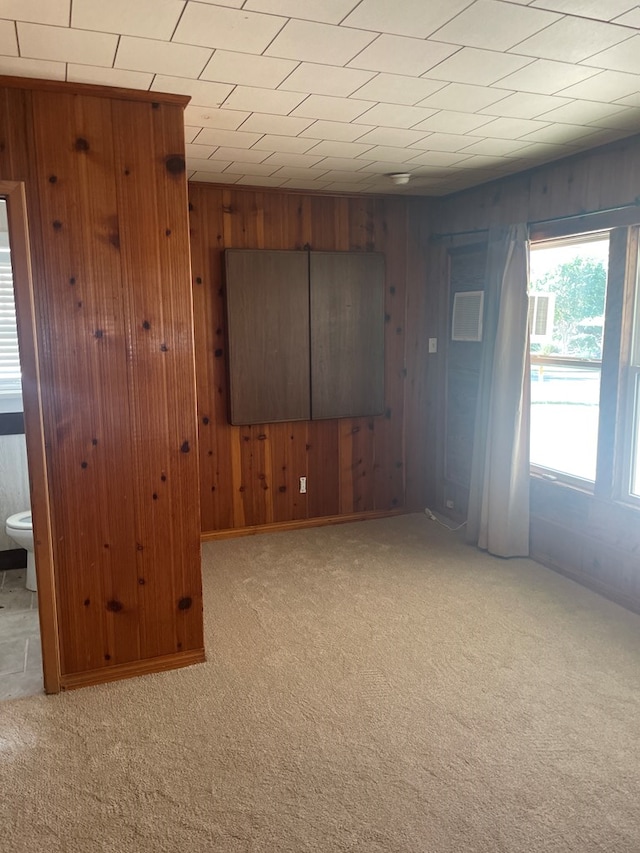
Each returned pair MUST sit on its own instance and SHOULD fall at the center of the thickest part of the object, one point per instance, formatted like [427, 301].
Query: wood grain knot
[167, 232]
[185, 603]
[282, 489]
[84, 465]
[114, 606]
[94, 441]
[146, 325]
[57, 225]
[107, 657]
[99, 333]
[175, 164]
[52, 179]
[218, 353]
[206, 421]
[185, 447]
[191, 207]
[198, 279]
[164, 348]
[141, 581]
[72, 280]
[154, 496]
[81, 144]
[387, 318]
[262, 437]
[387, 414]
[392, 289]
[87, 602]
[155, 105]
[139, 547]
[163, 477]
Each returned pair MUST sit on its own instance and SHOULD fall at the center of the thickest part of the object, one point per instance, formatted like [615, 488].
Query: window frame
[564, 238]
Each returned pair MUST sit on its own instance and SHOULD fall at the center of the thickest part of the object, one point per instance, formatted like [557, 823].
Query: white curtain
[498, 518]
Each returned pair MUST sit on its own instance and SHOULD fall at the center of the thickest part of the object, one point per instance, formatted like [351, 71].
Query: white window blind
[10, 379]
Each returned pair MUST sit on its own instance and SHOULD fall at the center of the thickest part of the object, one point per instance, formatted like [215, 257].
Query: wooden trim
[14, 193]
[294, 191]
[132, 670]
[90, 89]
[298, 524]
[586, 224]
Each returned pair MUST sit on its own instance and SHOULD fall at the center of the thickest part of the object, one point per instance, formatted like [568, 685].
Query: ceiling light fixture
[399, 178]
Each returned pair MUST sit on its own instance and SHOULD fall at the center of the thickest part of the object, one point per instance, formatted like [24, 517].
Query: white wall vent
[541, 311]
[467, 315]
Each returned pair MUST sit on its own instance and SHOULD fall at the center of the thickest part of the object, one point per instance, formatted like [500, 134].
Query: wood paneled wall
[107, 207]
[249, 475]
[593, 540]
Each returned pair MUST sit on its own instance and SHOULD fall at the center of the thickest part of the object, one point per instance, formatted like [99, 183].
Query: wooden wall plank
[332, 454]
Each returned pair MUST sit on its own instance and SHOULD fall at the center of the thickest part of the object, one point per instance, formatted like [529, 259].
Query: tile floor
[20, 652]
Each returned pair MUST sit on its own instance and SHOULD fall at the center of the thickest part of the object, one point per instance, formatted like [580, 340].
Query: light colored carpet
[376, 687]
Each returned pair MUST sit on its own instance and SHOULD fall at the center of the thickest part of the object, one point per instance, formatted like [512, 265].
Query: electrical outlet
[449, 504]
[433, 345]
[303, 485]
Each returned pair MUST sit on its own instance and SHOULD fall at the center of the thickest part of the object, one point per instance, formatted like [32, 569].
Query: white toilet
[20, 528]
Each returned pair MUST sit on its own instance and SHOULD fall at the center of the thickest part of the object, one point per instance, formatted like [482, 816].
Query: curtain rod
[628, 206]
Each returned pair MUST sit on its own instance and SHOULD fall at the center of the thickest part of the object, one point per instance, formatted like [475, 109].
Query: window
[567, 293]
[10, 379]
[633, 471]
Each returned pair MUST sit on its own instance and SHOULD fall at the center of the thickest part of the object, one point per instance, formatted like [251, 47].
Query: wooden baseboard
[131, 670]
[299, 524]
[603, 589]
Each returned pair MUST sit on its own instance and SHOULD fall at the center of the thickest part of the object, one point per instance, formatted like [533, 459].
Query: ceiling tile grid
[335, 95]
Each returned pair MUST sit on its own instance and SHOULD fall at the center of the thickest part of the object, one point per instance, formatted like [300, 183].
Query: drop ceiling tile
[389, 153]
[494, 25]
[190, 133]
[480, 161]
[495, 147]
[394, 115]
[331, 109]
[336, 130]
[338, 176]
[449, 121]
[325, 79]
[323, 11]
[573, 39]
[604, 86]
[108, 76]
[604, 10]
[346, 187]
[290, 144]
[251, 181]
[199, 152]
[481, 67]
[510, 128]
[276, 124]
[462, 97]
[175, 60]
[8, 40]
[240, 69]
[629, 119]
[398, 89]
[53, 12]
[443, 142]
[409, 18]
[582, 112]
[546, 77]
[274, 101]
[622, 57]
[16, 66]
[152, 19]
[206, 165]
[254, 169]
[239, 155]
[213, 178]
[299, 160]
[302, 184]
[299, 172]
[235, 4]
[61, 44]
[383, 167]
[227, 138]
[321, 43]
[201, 93]
[343, 164]
[393, 136]
[204, 117]
[560, 134]
[231, 29]
[399, 55]
[525, 105]
[327, 148]
[630, 18]
[438, 158]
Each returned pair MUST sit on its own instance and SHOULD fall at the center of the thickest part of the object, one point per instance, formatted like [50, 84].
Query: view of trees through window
[568, 281]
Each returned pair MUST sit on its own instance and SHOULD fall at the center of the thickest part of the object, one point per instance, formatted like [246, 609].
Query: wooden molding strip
[90, 89]
[132, 670]
[299, 524]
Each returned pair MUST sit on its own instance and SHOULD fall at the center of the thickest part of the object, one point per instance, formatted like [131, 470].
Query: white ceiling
[335, 94]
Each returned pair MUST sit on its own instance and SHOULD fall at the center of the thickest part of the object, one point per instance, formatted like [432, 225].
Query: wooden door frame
[14, 194]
